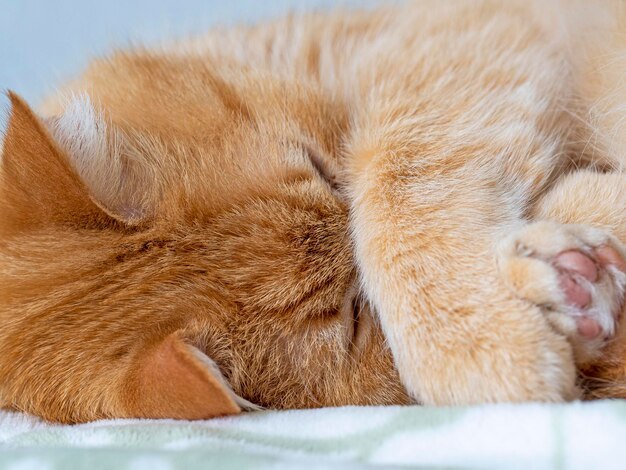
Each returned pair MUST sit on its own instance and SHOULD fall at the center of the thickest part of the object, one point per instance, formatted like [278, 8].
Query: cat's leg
[598, 200]
[425, 235]
[445, 162]
[576, 273]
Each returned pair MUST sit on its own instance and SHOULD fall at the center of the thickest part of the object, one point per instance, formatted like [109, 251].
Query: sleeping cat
[421, 203]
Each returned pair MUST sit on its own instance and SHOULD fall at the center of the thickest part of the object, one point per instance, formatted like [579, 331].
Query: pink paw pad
[573, 266]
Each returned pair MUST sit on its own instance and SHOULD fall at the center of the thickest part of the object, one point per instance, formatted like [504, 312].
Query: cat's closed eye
[323, 164]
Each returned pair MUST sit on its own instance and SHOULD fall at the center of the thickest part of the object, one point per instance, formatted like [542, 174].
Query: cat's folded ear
[173, 379]
[65, 170]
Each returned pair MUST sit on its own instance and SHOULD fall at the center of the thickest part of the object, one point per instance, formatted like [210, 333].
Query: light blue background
[43, 42]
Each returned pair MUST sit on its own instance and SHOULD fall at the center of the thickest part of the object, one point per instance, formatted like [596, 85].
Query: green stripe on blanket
[573, 436]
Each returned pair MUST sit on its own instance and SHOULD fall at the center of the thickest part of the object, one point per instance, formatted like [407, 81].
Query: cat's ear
[117, 174]
[176, 380]
[42, 179]
[38, 183]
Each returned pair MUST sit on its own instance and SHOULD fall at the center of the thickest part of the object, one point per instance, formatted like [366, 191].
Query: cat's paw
[575, 273]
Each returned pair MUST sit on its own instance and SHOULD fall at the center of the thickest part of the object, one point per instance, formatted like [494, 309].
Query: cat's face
[163, 208]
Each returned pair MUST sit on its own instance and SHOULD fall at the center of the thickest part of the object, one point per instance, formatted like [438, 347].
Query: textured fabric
[573, 436]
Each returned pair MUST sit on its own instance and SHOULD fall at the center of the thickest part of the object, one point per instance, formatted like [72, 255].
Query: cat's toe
[577, 274]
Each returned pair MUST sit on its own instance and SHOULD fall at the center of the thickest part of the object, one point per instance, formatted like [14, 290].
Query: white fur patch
[95, 151]
[82, 132]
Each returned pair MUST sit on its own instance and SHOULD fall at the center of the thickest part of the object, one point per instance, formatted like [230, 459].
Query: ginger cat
[422, 203]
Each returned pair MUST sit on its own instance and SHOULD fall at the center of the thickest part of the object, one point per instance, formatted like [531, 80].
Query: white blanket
[573, 436]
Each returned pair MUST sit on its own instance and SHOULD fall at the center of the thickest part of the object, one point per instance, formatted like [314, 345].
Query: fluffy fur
[343, 208]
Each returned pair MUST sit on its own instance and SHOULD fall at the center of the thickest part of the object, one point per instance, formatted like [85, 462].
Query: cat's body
[280, 196]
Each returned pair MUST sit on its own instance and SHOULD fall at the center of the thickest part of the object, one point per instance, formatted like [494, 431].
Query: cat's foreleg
[596, 200]
[425, 237]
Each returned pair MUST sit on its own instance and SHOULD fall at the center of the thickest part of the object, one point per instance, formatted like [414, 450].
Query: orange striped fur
[307, 213]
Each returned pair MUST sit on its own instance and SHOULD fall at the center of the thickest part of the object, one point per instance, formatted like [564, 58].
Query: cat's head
[172, 242]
